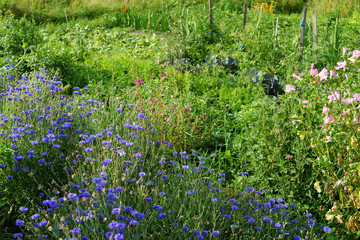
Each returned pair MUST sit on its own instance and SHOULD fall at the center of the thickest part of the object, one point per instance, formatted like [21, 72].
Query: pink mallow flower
[313, 71]
[347, 100]
[289, 88]
[344, 51]
[341, 65]
[329, 119]
[296, 76]
[357, 97]
[333, 97]
[325, 109]
[356, 54]
[323, 74]
[333, 74]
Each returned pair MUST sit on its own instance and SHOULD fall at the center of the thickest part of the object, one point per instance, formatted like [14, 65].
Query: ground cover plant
[242, 118]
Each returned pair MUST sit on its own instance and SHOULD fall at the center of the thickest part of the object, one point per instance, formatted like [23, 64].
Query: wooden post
[276, 33]
[66, 17]
[181, 25]
[303, 24]
[211, 20]
[315, 35]
[245, 11]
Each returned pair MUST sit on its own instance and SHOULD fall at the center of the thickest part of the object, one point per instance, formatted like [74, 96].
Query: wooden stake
[303, 24]
[276, 33]
[315, 34]
[181, 25]
[66, 17]
[245, 11]
[211, 20]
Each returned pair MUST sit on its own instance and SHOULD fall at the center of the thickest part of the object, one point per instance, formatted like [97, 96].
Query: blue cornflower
[76, 231]
[162, 215]
[234, 226]
[259, 228]
[296, 237]
[142, 174]
[277, 225]
[185, 228]
[216, 233]
[327, 229]
[149, 199]
[19, 223]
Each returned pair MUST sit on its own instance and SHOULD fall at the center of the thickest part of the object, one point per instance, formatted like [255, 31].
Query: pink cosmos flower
[333, 74]
[323, 74]
[289, 88]
[325, 109]
[357, 97]
[313, 71]
[296, 76]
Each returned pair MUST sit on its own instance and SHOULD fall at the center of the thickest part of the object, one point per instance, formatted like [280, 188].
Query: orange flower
[124, 7]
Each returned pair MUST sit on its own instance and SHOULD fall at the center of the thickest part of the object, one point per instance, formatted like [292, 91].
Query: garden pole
[182, 28]
[245, 11]
[276, 33]
[211, 20]
[303, 23]
[66, 17]
[315, 35]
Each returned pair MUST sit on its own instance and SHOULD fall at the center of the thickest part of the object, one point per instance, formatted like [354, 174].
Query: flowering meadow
[85, 169]
[118, 121]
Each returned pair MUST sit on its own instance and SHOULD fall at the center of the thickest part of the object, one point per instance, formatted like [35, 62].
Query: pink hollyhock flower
[333, 74]
[323, 74]
[296, 76]
[325, 109]
[357, 97]
[313, 71]
[344, 51]
[289, 88]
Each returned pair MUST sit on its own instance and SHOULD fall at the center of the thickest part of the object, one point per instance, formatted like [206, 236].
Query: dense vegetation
[122, 121]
